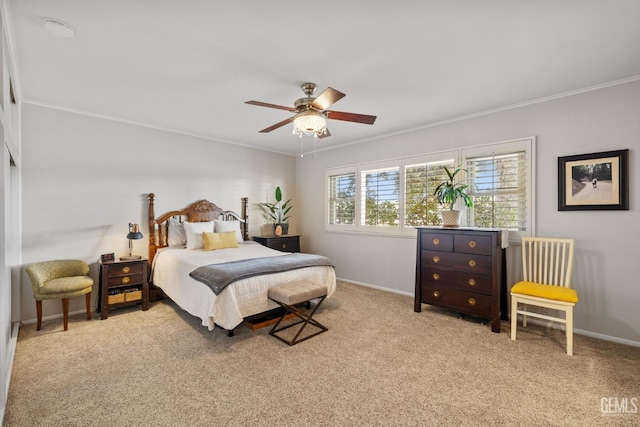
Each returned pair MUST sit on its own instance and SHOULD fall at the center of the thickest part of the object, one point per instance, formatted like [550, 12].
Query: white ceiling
[188, 66]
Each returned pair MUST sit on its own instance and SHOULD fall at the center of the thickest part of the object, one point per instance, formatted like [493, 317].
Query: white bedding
[171, 268]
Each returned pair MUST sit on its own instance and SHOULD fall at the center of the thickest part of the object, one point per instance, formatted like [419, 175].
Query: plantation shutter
[421, 206]
[342, 198]
[498, 186]
[380, 197]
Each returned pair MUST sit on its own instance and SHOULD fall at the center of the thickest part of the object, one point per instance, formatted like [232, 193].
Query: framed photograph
[596, 181]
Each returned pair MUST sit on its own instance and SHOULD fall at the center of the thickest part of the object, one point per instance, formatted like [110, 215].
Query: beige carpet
[380, 364]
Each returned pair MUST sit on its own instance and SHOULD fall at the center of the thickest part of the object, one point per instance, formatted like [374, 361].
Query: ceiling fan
[312, 114]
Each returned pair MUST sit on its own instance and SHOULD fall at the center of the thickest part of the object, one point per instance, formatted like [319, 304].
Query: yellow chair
[62, 279]
[546, 269]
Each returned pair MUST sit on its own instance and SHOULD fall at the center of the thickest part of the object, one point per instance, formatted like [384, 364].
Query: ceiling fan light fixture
[309, 122]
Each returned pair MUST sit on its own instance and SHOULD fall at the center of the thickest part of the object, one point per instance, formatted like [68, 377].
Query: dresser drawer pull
[472, 282]
[472, 263]
[472, 301]
[436, 276]
[125, 270]
[436, 294]
[472, 244]
[284, 246]
[126, 280]
[436, 259]
[436, 242]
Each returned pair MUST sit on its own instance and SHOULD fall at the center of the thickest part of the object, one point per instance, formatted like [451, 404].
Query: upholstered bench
[288, 296]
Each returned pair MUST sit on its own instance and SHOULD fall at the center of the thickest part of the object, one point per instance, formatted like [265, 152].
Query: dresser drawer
[436, 241]
[464, 281]
[479, 264]
[472, 244]
[465, 302]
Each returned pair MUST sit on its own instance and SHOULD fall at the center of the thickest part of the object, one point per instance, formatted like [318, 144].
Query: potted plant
[447, 193]
[278, 213]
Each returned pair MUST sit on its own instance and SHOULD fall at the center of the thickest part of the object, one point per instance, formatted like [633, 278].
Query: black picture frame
[595, 181]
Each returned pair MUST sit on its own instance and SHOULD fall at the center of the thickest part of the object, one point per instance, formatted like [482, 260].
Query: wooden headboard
[200, 211]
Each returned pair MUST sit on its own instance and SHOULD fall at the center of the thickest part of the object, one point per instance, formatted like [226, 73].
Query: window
[422, 176]
[397, 195]
[342, 199]
[380, 203]
[501, 185]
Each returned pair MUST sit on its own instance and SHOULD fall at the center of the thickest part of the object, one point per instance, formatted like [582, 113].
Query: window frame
[460, 156]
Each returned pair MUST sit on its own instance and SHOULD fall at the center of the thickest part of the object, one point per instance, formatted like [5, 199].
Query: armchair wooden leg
[65, 312]
[88, 304]
[39, 314]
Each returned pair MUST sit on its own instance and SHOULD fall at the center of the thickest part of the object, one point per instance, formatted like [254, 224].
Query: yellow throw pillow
[213, 241]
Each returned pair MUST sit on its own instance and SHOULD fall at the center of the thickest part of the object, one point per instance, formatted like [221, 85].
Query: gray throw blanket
[219, 276]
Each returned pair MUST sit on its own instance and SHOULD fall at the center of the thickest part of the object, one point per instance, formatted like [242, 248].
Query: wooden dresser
[460, 269]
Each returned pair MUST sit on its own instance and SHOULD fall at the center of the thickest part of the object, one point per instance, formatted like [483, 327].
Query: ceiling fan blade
[277, 125]
[264, 104]
[327, 98]
[324, 134]
[351, 117]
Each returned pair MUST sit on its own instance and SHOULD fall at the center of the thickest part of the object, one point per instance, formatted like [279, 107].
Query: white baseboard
[529, 320]
[13, 343]
[55, 316]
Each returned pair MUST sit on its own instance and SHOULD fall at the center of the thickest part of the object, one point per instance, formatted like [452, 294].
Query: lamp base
[130, 257]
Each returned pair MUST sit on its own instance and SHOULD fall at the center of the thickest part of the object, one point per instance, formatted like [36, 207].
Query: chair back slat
[547, 260]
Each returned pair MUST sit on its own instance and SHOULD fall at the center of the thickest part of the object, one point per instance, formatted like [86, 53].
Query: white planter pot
[450, 218]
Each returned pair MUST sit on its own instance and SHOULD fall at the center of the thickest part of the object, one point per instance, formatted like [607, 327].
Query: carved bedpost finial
[245, 216]
[152, 224]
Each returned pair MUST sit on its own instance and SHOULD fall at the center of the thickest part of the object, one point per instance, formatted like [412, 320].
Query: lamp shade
[134, 232]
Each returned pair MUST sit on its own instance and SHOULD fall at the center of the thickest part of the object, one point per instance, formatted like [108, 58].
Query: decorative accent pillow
[224, 240]
[194, 232]
[224, 226]
[177, 235]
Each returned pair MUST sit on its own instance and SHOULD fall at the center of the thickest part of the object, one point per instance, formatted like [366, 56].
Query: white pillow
[177, 235]
[224, 226]
[194, 233]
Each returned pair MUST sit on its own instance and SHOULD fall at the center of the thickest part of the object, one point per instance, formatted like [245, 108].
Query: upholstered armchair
[60, 279]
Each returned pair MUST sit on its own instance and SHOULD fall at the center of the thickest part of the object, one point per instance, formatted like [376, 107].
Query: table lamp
[134, 234]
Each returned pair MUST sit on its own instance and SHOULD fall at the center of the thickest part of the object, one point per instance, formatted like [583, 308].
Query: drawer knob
[436, 259]
[126, 280]
[436, 294]
[472, 244]
[125, 270]
[436, 242]
[284, 246]
[472, 301]
[436, 276]
[472, 263]
[472, 282]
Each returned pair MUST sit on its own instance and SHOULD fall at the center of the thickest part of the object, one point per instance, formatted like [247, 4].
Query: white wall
[606, 248]
[86, 178]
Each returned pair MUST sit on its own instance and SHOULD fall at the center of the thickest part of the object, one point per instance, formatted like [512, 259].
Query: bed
[174, 259]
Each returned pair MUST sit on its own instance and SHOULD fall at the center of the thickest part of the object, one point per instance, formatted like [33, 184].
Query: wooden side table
[283, 243]
[123, 282]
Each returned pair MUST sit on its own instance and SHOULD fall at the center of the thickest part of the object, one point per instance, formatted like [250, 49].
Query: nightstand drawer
[123, 270]
[130, 279]
[282, 243]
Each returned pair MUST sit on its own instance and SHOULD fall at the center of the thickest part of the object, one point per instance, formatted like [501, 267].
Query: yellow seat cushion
[558, 293]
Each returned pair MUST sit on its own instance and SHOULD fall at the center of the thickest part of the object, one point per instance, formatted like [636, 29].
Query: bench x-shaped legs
[304, 320]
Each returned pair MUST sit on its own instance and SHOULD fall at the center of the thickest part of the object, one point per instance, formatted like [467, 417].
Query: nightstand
[283, 243]
[123, 282]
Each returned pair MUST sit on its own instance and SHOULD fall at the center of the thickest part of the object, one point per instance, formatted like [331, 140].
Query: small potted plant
[447, 193]
[278, 213]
